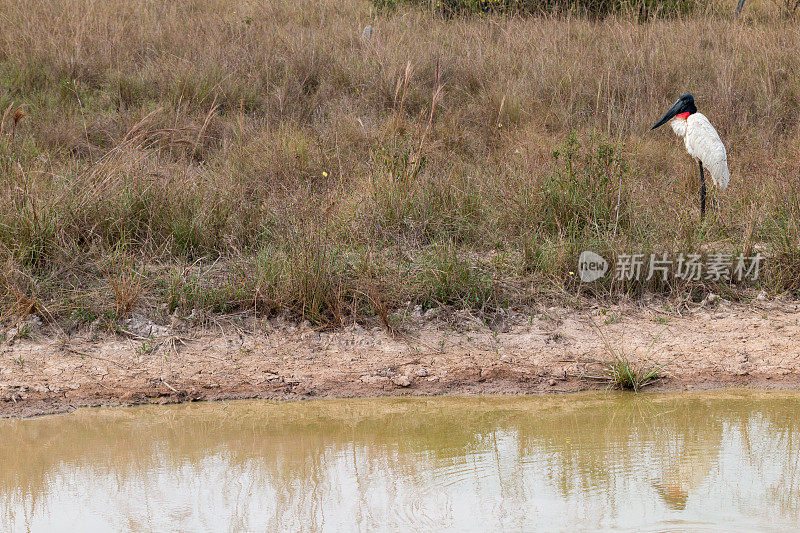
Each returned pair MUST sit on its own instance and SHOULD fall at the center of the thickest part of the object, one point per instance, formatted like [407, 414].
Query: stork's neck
[678, 124]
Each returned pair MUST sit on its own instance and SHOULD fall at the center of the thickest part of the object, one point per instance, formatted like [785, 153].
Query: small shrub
[445, 278]
[585, 191]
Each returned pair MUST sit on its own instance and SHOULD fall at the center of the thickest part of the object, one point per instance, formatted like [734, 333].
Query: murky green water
[707, 461]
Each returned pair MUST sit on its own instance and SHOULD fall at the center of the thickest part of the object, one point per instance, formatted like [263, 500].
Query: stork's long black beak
[674, 110]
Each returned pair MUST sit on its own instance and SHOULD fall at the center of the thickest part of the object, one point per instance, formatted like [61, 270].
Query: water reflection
[710, 461]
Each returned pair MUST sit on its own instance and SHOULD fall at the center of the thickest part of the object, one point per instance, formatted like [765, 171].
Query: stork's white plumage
[702, 143]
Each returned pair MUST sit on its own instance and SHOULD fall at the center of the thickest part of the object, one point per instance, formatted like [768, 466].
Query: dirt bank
[555, 349]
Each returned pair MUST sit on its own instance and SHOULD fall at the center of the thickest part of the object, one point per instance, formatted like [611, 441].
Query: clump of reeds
[622, 372]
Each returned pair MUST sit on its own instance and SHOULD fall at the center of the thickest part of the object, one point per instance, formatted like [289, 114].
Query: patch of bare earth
[554, 350]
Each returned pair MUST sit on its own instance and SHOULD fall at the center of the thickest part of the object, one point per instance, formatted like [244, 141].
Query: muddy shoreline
[553, 350]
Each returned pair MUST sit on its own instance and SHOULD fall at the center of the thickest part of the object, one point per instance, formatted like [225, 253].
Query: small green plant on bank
[24, 332]
[145, 348]
[621, 372]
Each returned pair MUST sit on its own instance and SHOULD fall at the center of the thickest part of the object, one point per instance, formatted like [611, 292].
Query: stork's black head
[685, 104]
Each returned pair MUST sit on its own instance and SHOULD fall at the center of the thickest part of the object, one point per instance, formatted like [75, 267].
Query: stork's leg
[702, 192]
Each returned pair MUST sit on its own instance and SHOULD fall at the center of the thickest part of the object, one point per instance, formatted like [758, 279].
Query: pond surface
[716, 461]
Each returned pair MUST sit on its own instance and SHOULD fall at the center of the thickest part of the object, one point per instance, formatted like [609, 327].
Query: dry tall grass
[233, 155]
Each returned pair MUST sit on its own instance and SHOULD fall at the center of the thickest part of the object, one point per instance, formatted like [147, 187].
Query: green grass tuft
[622, 373]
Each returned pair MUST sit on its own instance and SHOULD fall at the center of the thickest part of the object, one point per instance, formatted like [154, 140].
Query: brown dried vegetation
[265, 156]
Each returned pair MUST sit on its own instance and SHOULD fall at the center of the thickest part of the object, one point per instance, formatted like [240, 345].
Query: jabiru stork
[702, 143]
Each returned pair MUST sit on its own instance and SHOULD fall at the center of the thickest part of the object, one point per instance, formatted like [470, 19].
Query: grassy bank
[267, 156]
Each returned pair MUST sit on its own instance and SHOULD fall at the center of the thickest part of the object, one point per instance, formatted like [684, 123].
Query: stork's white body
[703, 143]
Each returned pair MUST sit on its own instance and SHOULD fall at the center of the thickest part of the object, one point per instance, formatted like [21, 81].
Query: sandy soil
[554, 350]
